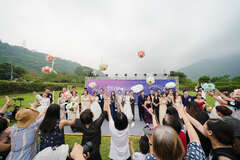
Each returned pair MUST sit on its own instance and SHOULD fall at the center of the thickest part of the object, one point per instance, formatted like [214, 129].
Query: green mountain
[32, 60]
[218, 66]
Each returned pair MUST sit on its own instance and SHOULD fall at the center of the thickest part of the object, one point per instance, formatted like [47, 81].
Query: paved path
[136, 131]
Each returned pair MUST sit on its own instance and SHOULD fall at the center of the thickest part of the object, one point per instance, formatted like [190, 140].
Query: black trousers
[133, 111]
[141, 112]
[156, 112]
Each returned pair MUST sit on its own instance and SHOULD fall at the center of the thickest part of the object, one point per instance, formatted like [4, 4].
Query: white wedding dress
[95, 108]
[44, 103]
[127, 108]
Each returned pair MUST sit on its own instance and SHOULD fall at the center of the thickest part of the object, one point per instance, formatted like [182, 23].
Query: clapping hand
[77, 153]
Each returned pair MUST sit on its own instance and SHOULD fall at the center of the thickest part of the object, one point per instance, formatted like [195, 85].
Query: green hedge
[222, 86]
[24, 87]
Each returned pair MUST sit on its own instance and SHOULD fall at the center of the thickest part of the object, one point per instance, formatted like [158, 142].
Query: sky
[173, 33]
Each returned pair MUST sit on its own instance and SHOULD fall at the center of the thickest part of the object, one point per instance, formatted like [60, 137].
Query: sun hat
[53, 153]
[26, 117]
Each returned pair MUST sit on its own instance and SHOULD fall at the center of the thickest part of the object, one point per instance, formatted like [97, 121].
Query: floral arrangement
[208, 87]
[70, 107]
[67, 95]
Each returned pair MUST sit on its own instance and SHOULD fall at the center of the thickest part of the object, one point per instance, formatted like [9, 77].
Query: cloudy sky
[173, 33]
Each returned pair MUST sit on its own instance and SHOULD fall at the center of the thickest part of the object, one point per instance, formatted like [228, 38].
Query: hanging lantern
[103, 67]
[46, 69]
[141, 54]
[49, 58]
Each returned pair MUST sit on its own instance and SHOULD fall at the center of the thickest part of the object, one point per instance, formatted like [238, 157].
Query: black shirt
[93, 133]
[226, 152]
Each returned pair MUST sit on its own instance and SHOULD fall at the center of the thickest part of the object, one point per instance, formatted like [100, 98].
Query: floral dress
[56, 138]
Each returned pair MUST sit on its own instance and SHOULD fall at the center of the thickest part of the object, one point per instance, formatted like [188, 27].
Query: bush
[23, 87]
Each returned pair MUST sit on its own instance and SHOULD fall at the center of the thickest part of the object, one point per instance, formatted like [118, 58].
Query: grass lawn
[69, 139]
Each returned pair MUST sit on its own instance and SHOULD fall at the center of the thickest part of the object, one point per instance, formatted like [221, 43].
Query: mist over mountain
[217, 66]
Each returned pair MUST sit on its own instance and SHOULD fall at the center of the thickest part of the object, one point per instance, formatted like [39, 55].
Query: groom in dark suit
[101, 99]
[141, 100]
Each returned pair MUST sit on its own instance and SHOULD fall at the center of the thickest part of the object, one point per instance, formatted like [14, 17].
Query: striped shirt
[24, 141]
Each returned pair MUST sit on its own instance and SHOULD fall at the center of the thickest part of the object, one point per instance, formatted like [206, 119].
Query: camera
[87, 148]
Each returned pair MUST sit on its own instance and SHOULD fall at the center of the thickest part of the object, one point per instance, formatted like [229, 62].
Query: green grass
[105, 146]
[70, 140]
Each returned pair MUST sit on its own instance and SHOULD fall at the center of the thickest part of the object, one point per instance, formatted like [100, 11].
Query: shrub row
[23, 87]
[222, 86]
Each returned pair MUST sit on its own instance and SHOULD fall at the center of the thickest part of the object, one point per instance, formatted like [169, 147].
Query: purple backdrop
[125, 85]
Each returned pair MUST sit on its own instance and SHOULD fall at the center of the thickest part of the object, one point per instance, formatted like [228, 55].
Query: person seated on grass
[52, 127]
[92, 130]
[5, 143]
[119, 128]
[221, 135]
[24, 134]
[144, 147]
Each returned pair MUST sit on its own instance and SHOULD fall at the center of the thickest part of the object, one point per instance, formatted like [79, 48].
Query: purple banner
[126, 85]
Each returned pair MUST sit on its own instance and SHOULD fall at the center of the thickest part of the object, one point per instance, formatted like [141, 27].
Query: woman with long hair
[127, 106]
[85, 101]
[52, 127]
[200, 101]
[147, 115]
[163, 107]
[95, 107]
[177, 99]
[221, 135]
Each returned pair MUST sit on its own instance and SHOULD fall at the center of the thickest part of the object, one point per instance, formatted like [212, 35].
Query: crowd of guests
[177, 126]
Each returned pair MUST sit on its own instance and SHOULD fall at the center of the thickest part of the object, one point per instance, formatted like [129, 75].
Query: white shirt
[119, 148]
[138, 156]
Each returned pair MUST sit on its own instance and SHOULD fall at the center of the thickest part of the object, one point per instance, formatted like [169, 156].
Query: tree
[236, 79]
[5, 71]
[204, 79]
[182, 77]
[225, 78]
[83, 71]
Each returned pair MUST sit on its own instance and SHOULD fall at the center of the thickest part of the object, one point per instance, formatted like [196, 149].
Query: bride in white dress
[127, 106]
[74, 99]
[43, 100]
[85, 101]
[95, 107]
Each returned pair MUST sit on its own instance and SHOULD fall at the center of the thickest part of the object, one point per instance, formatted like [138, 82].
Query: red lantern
[49, 58]
[46, 69]
[141, 54]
